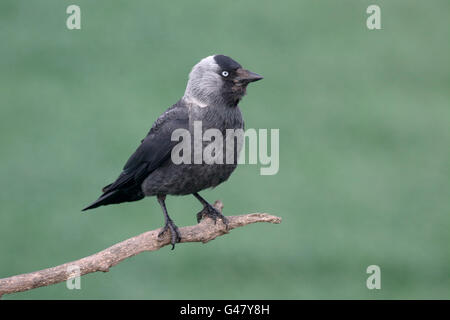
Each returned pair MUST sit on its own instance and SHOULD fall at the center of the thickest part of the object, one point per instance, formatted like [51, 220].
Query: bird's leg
[169, 225]
[210, 211]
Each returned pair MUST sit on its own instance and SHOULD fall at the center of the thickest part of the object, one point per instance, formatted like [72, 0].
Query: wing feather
[154, 149]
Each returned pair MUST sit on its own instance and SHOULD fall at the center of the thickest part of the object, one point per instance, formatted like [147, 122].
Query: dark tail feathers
[117, 196]
[105, 199]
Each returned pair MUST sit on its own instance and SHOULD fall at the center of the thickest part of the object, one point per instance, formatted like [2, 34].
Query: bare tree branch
[205, 231]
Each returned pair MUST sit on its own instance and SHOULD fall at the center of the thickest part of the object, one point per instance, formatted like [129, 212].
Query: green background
[364, 145]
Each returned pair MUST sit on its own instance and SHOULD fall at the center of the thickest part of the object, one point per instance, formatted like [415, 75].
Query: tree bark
[205, 231]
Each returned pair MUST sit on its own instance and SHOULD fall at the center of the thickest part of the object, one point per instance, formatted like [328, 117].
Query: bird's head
[218, 79]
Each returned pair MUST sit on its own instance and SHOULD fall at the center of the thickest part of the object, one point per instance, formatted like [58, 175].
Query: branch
[205, 231]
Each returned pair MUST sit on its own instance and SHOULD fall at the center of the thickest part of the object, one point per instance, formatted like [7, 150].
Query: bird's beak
[247, 76]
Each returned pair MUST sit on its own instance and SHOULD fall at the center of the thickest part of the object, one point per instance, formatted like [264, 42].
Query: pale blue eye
[225, 73]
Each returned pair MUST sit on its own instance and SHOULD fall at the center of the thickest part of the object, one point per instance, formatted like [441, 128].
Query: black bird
[215, 86]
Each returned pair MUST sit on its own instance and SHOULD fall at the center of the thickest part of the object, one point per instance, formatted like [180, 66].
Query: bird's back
[153, 152]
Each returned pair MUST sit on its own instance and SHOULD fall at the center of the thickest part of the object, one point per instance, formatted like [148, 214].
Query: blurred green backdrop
[364, 145]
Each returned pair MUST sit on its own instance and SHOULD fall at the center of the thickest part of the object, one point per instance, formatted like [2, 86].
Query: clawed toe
[213, 213]
[174, 233]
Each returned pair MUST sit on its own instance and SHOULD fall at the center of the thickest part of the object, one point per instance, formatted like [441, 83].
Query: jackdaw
[216, 85]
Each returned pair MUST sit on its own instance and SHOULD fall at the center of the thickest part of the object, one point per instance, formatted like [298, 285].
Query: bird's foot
[174, 232]
[213, 213]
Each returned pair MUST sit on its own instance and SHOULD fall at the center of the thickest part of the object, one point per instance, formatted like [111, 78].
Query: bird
[214, 89]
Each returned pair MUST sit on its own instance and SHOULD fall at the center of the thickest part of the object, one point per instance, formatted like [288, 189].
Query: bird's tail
[105, 199]
[117, 196]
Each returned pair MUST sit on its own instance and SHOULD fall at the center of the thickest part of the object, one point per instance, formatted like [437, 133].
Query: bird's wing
[154, 149]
